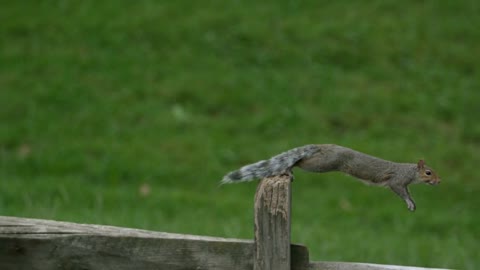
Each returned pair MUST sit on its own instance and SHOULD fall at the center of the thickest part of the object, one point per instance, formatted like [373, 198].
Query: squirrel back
[330, 157]
[312, 157]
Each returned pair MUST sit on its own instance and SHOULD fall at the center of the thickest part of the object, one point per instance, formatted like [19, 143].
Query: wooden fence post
[272, 224]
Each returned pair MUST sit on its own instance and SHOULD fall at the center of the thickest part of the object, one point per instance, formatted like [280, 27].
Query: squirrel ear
[421, 164]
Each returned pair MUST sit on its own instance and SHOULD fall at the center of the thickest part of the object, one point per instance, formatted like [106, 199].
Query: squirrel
[330, 157]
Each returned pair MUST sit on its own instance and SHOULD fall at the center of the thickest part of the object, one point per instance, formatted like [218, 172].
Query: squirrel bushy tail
[281, 163]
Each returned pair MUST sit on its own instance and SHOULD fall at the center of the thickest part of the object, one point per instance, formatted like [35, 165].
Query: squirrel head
[425, 174]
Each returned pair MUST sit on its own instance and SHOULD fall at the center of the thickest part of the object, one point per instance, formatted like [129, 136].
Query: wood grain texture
[49, 245]
[41, 244]
[272, 224]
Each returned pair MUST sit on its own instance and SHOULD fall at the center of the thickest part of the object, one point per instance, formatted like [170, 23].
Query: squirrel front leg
[402, 191]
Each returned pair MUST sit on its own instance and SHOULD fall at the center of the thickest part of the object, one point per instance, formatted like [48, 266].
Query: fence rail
[36, 244]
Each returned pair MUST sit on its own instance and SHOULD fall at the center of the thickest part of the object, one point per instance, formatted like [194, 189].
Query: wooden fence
[35, 244]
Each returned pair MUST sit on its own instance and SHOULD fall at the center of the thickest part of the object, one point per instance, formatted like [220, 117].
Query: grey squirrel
[330, 157]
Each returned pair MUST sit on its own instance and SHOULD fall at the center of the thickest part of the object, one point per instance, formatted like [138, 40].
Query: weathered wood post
[272, 224]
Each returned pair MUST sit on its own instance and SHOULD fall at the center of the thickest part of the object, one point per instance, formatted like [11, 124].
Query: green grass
[100, 98]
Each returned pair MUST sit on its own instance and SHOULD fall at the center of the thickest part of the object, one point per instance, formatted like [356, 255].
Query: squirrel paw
[411, 206]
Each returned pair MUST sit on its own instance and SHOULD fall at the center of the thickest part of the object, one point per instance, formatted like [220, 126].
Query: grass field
[129, 113]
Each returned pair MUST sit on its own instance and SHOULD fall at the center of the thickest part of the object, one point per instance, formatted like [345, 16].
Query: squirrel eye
[427, 172]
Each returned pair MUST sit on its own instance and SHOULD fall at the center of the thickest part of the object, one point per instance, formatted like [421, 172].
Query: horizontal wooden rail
[36, 244]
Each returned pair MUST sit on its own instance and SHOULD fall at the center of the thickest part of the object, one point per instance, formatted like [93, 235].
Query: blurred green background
[129, 113]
